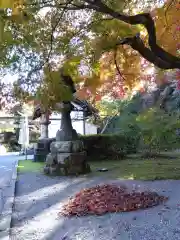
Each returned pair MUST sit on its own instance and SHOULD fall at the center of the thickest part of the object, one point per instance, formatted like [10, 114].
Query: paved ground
[8, 164]
[39, 199]
[7, 186]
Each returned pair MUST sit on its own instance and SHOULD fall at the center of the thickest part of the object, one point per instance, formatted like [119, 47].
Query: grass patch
[29, 166]
[135, 167]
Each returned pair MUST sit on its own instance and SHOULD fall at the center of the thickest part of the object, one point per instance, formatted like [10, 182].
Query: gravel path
[39, 198]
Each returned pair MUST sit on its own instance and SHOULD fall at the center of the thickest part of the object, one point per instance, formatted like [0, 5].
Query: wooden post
[44, 125]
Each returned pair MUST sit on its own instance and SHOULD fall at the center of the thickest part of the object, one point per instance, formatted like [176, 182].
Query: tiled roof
[78, 105]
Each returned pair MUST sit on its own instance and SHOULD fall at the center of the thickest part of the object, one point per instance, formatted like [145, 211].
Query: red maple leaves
[109, 198]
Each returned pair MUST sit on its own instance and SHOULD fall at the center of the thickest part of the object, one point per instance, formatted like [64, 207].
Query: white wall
[77, 124]
[90, 129]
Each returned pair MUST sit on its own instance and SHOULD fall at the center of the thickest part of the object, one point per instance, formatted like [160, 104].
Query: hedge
[109, 146]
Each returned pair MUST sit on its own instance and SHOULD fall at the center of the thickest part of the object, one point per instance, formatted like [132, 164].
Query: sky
[9, 78]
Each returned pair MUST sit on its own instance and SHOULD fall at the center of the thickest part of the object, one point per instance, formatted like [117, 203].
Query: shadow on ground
[39, 198]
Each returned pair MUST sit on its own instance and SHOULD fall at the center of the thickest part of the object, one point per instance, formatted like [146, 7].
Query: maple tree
[99, 43]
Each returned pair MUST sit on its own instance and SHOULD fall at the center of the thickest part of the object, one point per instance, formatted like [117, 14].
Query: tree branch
[116, 65]
[54, 29]
[144, 19]
[137, 44]
[155, 54]
[67, 5]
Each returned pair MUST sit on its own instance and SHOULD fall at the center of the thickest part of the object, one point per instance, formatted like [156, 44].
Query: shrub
[8, 139]
[112, 146]
[158, 130]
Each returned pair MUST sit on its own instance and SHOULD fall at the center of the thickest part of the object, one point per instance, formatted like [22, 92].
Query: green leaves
[157, 128]
[71, 65]
[2, 24]
[54, 88]
[109, 31]
[6, 4]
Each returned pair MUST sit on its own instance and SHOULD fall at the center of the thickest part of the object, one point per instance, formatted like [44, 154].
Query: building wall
[6, 121]
[8, 124]
[90, 129]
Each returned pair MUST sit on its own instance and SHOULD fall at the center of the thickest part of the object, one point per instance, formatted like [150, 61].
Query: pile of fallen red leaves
[109, 198]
